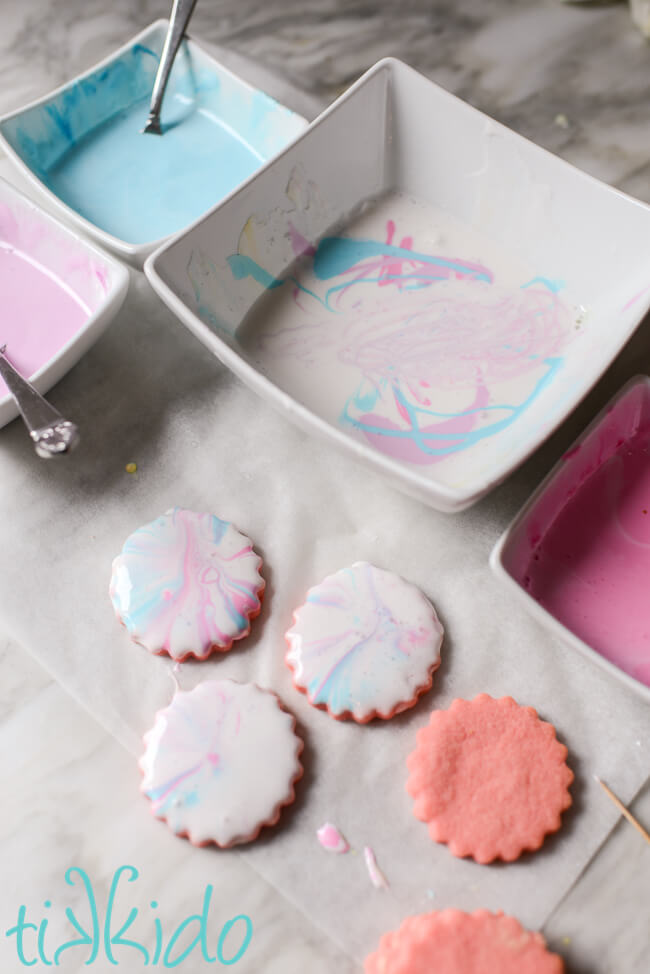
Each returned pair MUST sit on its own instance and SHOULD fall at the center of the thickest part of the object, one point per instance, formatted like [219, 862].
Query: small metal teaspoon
[181, 13]
[52, 434]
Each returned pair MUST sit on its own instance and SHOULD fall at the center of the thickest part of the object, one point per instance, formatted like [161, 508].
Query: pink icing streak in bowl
[58, 294]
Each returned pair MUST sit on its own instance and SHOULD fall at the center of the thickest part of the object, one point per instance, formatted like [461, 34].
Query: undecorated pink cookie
[489, 778]
[453, 942]
[365, 644]
[220, 762]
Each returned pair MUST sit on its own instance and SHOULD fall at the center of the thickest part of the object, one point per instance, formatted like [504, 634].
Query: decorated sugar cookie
[489, 778]
[453, 942]
[187, 584]
[220, 762]
[365, 644]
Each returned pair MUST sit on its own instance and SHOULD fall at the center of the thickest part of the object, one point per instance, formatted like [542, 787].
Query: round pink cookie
[365, 644]
[187, 584]
[220, 762]
[453, 942]
[489, 778]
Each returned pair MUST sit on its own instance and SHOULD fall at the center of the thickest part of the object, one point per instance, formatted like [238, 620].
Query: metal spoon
[181, 13]
[52, 434]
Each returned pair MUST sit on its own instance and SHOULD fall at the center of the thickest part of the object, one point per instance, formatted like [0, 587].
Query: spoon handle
[51, 433]
[181, 13]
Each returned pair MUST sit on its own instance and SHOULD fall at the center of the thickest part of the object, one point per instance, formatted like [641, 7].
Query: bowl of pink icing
[58, 293]
[579, 551]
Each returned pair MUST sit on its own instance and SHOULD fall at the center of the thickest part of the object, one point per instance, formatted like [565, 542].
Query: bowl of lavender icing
[578, 554]
[83, 147]
[58, 294]
[415, 283]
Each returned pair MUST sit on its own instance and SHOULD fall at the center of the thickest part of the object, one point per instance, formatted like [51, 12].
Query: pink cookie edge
[461, 918]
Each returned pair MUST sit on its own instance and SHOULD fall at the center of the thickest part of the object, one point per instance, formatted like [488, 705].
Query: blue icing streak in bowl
[85, 144]
[45, 133]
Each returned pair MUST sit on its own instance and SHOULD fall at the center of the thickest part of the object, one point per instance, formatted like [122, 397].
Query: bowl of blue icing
[83, 147]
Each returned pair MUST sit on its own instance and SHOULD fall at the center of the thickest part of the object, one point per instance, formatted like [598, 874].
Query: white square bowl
[96, 282]
[41, 137]
[626, 414]
[396, 131]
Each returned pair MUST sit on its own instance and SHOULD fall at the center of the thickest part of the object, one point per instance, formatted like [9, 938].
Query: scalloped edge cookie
[364, 644]
[210, 608]
[489, 778]
[453, 942]
[242, 748]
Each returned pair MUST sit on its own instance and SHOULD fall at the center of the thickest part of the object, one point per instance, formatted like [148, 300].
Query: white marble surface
[524, 65]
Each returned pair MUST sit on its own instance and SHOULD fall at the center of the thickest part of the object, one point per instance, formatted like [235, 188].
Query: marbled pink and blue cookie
[187, 584]
[220, 762]
[365, 644]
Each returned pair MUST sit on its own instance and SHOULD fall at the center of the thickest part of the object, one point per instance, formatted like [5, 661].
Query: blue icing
[335, 255]
[242, 266]
[219, 528]
[338, 690]
[344, 660]
[554, 286]
[459, 440]
[86, 146]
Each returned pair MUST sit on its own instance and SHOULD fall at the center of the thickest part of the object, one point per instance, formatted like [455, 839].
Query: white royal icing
[220, 761]
[186, 584]
[364, 643]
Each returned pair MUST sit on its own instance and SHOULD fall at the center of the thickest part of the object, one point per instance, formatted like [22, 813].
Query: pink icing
[592, 565]
[331, 839]
[433, 435]
[40, 314]
[377, 878]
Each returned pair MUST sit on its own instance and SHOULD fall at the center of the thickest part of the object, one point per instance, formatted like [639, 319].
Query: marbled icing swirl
[364, 644]
[220, 762]
[187, 584]
[410, 330]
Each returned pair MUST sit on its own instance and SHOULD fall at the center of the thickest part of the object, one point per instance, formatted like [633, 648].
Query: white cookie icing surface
[187, 584]
[220, 761]
[364, 644]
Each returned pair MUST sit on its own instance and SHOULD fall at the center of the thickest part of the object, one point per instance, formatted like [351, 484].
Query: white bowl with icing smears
[417, 284]
[58, 294]
[578, 553]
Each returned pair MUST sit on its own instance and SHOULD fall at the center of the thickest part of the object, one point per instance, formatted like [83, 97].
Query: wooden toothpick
[623, 810]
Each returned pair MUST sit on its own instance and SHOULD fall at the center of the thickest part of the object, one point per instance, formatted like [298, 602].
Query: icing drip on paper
[377, 878]
[331, 839]
[174, 673]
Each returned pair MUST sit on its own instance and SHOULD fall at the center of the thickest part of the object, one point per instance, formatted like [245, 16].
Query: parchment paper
[149, 393]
